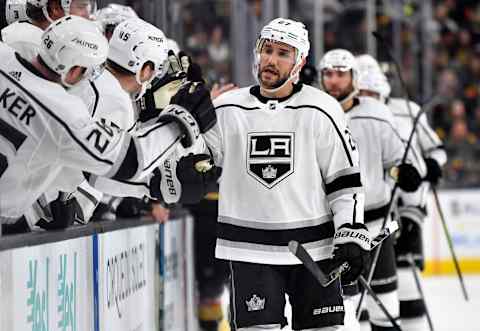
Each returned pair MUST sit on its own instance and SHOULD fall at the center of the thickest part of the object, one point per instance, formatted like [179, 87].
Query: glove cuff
[187, 123]
[353, 234]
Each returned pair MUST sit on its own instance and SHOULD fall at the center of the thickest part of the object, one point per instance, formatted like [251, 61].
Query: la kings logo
[270, 156]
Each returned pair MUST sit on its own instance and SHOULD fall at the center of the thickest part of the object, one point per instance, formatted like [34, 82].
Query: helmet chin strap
[292, 76]
[349, 97]
[46, 14]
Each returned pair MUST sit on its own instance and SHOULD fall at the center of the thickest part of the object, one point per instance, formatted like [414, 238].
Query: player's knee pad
[391, 303]
[407, 287]
[269, 327]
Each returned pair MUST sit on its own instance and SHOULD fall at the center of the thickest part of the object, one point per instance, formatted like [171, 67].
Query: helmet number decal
[124, 35]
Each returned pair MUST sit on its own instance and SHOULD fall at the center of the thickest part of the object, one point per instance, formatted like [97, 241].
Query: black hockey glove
[351, 244]
[157, 97]
[195, 97]
[408, 177]
[186, 182]
[434, 171]
[63, 214]
[409, 240]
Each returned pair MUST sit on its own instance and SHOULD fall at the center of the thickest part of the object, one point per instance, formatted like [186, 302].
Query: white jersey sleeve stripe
[63, 124]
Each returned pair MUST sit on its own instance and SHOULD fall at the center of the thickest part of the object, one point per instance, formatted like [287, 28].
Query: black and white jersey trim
[88, 195]
[380, 120]
[343, 182]
[236, 233]
[169, 148]
[129, 166]
[63, 124]
[324, 243]
[277, 225]
[97, 97]
[349, 157]
[237, 106]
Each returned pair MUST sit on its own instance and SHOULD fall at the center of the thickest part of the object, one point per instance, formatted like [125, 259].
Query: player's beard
[343, 93]
[272, 85]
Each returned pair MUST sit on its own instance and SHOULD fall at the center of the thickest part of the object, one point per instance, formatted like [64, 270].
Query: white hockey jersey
[380, 148]
[290, 172]
[43, 128]
[24, 37]
[425, 140]
[425, 143]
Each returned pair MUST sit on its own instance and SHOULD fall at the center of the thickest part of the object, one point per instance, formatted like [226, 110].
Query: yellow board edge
[446, 267]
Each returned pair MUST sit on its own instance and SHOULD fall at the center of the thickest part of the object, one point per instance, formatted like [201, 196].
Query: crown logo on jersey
[269, 172]
[16, 74]
[255, 303]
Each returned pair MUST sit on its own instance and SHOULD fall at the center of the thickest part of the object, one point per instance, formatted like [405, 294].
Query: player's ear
[74, 75]
[147, 72]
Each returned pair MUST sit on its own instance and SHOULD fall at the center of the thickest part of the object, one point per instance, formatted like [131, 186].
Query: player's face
[337, 83]
[276, 62]
[83, 8]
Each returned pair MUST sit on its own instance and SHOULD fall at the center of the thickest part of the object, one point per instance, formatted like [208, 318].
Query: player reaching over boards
[43, 128]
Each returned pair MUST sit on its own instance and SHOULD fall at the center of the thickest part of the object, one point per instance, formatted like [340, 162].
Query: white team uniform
[381, 148]
[24, 37]
[425, 143]
[290, 171]
[44, 129]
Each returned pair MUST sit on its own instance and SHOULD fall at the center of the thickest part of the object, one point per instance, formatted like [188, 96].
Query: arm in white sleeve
[338, 160]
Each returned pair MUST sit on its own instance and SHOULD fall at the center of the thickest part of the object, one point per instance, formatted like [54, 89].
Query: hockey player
[112, 15]
[300, 182]
[380, 149]
[411, 206]
[15, 10]
[44, 128]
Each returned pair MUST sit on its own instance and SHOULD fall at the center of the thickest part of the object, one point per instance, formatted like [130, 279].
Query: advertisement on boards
[40, 291]
[126, 274]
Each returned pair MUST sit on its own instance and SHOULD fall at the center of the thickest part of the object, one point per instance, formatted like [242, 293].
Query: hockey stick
[301, 253]
[373, 263]
[407, 97]
[384, 234]
[450, 242]
[420, 289]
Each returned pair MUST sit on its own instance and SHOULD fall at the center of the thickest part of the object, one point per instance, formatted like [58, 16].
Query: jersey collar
[255, 91]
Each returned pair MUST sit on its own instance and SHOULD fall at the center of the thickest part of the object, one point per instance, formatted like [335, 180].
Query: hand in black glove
[408, 178]
[192, 179]
[195, 98]
[158, 96]
[410, 238]
[352, 244]
[63, 214]
[434, 171]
